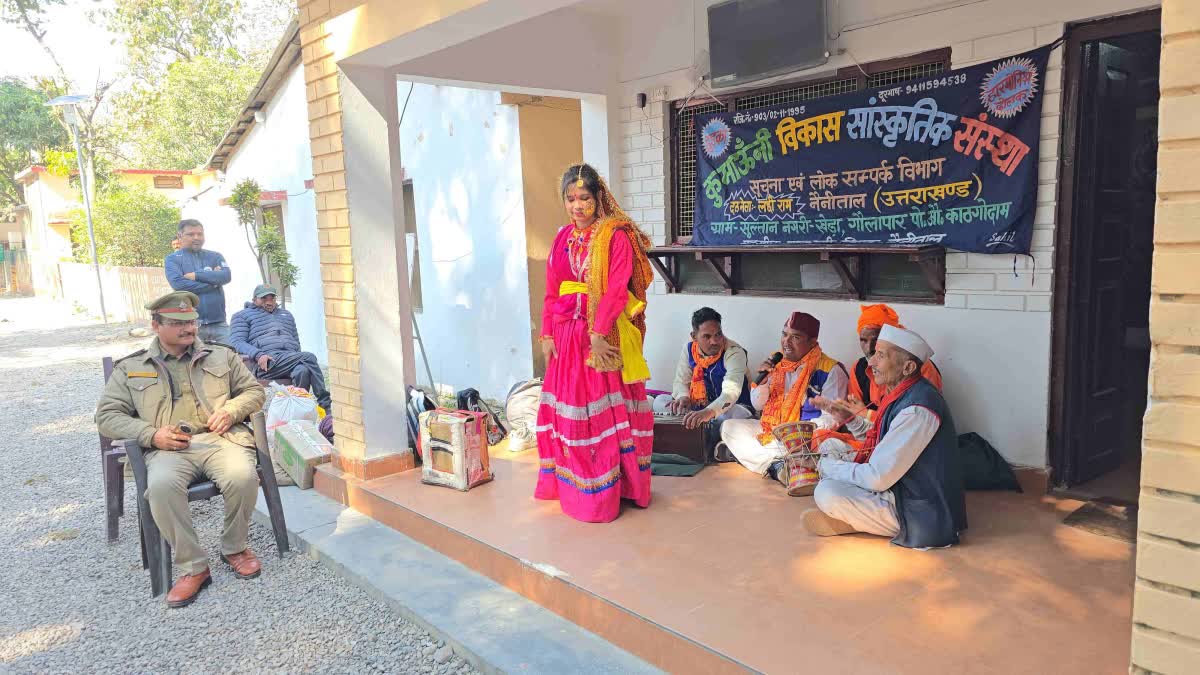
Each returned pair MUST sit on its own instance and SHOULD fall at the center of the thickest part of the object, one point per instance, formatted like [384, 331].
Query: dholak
[670, 436]
[800, 462]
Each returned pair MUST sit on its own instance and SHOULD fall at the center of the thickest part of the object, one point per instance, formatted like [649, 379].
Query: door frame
[1061, 380]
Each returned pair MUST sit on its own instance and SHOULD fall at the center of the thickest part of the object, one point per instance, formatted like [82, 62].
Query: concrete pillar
[1166, 601]
[378, 256]
[598, 114]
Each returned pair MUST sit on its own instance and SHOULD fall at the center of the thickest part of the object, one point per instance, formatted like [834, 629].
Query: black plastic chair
[114, 476]
[156, 552]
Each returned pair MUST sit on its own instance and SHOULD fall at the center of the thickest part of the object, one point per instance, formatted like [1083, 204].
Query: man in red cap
[803, 373]
[863, 387]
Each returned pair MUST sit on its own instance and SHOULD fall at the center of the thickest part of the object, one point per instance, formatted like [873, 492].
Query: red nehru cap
[805, 323]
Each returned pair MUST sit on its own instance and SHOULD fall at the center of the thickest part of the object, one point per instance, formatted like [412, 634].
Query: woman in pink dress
[595, 428]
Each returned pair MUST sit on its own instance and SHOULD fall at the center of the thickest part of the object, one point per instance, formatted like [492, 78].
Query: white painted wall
[993, 334]
[275, 153]
[461, 149]
[48, 197]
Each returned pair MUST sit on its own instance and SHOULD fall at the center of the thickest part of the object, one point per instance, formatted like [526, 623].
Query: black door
[1107, 346]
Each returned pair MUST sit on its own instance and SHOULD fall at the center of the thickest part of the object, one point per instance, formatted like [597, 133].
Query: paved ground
[73, 603]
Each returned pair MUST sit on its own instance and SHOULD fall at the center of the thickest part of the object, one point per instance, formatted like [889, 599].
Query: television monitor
[755, 39]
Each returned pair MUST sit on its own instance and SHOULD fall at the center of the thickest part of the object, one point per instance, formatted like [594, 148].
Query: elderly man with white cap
[904, 480]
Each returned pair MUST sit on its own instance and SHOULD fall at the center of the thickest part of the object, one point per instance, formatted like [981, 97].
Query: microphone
[775, 359]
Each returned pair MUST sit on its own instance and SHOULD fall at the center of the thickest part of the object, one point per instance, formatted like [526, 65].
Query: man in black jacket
[267, 333]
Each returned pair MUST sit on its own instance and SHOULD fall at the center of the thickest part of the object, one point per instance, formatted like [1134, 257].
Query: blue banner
[950, 160]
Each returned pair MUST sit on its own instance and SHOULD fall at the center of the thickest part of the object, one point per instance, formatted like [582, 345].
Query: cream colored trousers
[209, 457]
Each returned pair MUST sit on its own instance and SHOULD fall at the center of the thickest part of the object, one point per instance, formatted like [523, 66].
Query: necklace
[579, 251]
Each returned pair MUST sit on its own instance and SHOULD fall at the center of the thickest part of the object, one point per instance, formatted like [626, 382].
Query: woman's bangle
[546, 337]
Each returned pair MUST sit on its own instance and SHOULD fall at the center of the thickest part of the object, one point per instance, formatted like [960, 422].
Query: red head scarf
[805, 323]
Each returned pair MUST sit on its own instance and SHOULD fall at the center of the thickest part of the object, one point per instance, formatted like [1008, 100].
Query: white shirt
[731, 387]
[909, 434]
[835, 388]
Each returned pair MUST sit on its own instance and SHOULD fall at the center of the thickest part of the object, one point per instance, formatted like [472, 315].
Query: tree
[30, 16]
[179, 122]
[192, 65]
[162, 32]
[134, 227]
[28, 132]
[262, 234]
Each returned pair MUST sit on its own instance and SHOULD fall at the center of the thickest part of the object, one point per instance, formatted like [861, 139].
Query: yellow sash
[633, 364]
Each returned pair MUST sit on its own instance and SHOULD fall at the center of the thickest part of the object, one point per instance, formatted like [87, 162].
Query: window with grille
[685, 166]
[882, 275]
[851, 79]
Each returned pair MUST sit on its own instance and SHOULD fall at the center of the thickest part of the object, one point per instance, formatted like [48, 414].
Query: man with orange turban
[862, 385]
[802, 373]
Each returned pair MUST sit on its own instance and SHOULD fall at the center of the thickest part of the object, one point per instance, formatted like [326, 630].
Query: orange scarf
[697, 391]
[781, 407]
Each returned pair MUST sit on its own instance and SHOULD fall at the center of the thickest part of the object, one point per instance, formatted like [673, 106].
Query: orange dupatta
[697, 391]
[782, 408]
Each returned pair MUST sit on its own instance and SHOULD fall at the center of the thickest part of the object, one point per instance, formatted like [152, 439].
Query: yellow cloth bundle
[633, 364]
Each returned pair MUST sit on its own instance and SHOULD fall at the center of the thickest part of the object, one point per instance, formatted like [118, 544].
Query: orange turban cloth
[878, 315]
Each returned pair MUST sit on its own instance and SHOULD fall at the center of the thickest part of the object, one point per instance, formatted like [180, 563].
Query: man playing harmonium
[898, 476]
[710, 380]
[801, 373]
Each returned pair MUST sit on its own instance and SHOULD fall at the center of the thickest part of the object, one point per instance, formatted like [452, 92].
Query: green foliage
[134, 227]
[178, 122]
[27, 132]
[273, 249]
[244, 201]
[60, 162]
[163, 31]
[263, 233]
[26, 12]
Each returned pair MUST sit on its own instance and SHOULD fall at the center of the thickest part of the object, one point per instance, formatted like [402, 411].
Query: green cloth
[665, 464]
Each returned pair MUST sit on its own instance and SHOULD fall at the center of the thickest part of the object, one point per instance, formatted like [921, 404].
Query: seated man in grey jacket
[267, 333]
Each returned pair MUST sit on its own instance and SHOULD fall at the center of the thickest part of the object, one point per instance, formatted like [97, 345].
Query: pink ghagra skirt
[594, 433]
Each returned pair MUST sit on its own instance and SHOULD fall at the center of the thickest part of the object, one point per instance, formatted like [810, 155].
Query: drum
[800, 464]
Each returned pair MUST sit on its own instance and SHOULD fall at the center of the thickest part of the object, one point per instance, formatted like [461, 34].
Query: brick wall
[333, 220]
[1166, 613]
[973, 280]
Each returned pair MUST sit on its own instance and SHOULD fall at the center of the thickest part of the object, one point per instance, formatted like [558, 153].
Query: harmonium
[670, 436]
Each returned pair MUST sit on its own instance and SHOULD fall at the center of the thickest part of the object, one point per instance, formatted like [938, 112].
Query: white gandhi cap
[908, 341]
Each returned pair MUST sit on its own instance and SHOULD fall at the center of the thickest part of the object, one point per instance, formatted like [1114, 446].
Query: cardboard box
[454, 451]
[301, 448]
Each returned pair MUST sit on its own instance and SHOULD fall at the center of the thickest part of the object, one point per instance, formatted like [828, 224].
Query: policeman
[153, 396]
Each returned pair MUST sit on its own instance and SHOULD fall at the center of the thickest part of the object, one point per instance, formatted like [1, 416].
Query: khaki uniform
[151, 389]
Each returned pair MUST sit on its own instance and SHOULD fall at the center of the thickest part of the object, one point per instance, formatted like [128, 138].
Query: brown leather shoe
[245, 565]
[187, 587]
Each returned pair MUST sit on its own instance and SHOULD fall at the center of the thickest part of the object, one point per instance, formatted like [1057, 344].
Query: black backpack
[418, 403]
[469, 400]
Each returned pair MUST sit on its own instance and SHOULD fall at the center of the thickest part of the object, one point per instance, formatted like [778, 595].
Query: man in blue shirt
[195, 270]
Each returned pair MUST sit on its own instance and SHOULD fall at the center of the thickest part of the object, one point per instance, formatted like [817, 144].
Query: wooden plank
[670, 279]
[930, 268]
[851, 282]
[722, 270]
